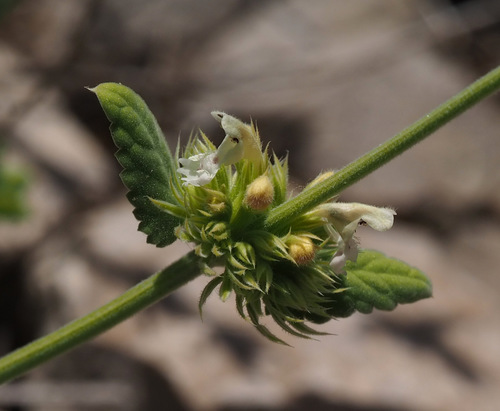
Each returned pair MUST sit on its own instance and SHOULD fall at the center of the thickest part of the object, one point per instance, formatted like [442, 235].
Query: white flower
[346, 251]
[199, 169]
[241, 141]
[344, 219]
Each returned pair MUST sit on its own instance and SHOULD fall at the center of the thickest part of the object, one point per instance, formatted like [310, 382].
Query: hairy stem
[185, 269]
[83, 329]
[280, 217]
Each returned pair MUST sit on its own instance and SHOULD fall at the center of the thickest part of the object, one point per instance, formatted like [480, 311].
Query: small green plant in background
[6, 6]
[294, 260]
[12, 192]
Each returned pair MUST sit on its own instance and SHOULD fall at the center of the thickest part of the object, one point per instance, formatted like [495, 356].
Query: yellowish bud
[301, 249]
[260, 193]
[320, 178]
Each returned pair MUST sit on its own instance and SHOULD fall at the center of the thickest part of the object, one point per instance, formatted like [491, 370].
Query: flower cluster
[223, 196]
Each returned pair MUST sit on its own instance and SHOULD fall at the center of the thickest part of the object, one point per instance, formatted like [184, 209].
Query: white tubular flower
[342, 215]
[199, 169]
[241, 141]
[345, 218]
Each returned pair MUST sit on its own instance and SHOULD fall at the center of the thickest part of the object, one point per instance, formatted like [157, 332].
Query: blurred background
[325, 81]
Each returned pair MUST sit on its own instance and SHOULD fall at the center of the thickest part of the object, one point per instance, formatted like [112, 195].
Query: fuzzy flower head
[223, 196]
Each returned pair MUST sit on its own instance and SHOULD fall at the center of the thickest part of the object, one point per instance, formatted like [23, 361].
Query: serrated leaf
[148, 165]
[377, 281]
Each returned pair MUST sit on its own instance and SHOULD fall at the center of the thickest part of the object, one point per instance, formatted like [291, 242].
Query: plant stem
[185, 269]
[71, 335]
[280, 217]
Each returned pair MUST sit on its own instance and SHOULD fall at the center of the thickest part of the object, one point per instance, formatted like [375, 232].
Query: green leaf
[377, 281]
[148, 165]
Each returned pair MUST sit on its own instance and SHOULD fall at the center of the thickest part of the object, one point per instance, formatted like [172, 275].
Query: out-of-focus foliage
[6, 6]
[12, 192]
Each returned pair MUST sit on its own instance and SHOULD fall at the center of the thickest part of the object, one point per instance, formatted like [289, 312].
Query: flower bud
[259, 194]
[301, 249]
[320, 178]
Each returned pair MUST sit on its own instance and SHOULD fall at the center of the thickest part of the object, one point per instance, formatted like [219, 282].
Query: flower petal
[342, 214]
[344, 219]
[379, 218]
[338, 263]
[346, 251]
[242, 140]
[199, 169]
[230, 150]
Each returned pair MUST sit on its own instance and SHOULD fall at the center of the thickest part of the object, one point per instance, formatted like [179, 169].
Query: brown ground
[325, 81]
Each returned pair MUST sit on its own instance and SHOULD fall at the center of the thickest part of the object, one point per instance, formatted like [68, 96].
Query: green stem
[83, 329]
[185, 269]
[280, 217]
